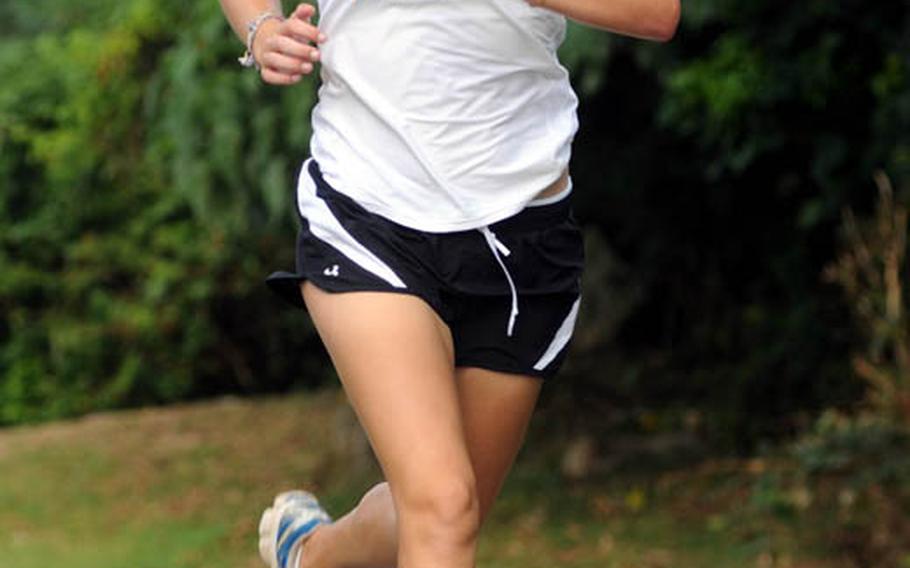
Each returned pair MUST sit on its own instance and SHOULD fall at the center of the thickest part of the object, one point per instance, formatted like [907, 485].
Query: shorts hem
[544, 375]
[287, 286]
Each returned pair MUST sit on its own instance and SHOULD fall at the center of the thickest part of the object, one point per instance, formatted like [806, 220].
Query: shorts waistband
[530, 218]
[536, 216]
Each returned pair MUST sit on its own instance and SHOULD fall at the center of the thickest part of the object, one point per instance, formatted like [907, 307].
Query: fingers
[276, 78]
[302, 31]
[286, 64]
[303, 12]
[291, 51]
[289, 47]
[302, 15]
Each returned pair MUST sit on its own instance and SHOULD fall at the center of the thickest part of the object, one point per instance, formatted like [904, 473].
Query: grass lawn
[182, 487]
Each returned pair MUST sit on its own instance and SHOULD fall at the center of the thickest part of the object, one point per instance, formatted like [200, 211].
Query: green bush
[145, 191]
[872, 271]
[716, 167]
[852, 471]
[858, 472]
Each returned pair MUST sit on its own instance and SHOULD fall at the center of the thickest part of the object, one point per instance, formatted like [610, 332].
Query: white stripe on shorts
[560, 339]
[326, 227]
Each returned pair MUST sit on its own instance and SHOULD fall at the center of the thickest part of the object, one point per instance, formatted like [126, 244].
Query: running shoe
[286, 525]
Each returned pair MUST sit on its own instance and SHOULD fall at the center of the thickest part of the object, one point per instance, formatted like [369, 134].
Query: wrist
[249, 59]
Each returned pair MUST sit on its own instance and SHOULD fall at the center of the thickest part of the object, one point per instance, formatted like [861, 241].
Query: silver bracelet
[252, 28]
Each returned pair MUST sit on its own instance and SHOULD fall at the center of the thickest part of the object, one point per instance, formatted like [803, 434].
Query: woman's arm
[284, 49]
[646, 19]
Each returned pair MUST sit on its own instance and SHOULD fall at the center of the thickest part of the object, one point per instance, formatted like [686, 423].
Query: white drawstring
[497, 247]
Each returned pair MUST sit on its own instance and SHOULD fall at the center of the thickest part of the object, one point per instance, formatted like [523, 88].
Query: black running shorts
[509, 292]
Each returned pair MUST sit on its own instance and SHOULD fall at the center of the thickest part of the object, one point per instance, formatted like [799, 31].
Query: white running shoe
[286, 525]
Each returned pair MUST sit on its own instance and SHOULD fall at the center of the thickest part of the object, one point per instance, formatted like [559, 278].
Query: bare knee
[445, 508]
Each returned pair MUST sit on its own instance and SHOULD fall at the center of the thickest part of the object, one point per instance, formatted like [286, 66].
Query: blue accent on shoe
[284, 525]
[285, 550]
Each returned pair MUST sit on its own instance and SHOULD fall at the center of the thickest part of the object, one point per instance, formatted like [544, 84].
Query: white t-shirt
[442, 115]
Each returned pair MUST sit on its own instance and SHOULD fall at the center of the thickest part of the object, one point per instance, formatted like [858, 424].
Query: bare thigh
[496, 409]
[394, 358]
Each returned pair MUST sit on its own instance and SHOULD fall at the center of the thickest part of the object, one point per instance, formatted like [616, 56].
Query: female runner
[437, 255]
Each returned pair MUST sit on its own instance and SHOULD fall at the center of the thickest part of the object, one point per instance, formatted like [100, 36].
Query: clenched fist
[287, 49]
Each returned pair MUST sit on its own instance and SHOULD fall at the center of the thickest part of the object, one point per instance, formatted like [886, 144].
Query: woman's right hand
[288, 49]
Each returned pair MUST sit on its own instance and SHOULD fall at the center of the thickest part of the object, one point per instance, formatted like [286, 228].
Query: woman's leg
[495, 410]
[394, 357]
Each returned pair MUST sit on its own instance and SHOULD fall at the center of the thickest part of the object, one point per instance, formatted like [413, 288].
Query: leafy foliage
[716, 167]
[855, 475]
[872, 270]
[146, 188]
[145, 193]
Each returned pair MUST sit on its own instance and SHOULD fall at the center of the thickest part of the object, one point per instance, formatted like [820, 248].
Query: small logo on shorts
[331, 271]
